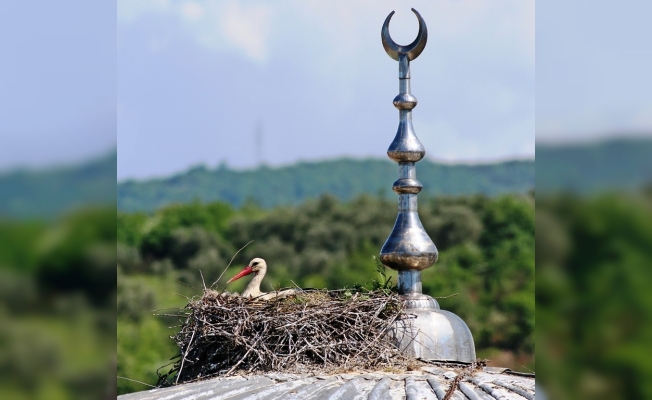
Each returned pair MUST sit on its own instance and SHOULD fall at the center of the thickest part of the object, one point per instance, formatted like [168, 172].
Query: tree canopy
[486, 262]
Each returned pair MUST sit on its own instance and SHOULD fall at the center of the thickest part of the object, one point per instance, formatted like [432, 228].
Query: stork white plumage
[258, 267]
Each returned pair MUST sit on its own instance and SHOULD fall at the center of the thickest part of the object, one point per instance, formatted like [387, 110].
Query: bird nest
[314, 331]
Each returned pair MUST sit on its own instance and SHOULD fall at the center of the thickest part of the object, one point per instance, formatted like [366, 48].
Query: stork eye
[254, 264]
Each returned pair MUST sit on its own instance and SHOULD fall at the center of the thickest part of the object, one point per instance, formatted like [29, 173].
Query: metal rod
[408, 249]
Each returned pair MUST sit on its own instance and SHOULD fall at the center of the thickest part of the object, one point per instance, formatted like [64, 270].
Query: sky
[198, 79]
[57, 81]
[178, 83]
[593, 63]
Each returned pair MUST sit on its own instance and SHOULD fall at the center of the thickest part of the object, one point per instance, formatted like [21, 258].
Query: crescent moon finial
[413, 49]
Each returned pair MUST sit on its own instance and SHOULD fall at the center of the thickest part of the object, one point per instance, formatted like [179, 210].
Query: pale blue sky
[57, 81]
[593, 66]
[195, 77]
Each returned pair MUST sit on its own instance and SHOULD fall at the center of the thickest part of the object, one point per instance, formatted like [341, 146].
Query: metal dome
[430, 333]
[430, 383]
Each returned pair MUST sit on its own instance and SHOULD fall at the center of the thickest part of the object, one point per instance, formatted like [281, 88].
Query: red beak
[246, 271]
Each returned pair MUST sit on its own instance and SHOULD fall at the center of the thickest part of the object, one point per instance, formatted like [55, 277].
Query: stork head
[256, 266]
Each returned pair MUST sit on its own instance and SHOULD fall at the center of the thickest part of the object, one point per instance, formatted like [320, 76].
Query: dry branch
[315, 331]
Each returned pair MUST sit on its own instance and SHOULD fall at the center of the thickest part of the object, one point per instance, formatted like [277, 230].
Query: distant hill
[49, 192]
[624, 163]
[584, 168]
[343, 178]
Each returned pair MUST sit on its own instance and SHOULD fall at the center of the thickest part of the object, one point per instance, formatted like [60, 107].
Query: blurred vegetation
[593, 302]
[620, 163]
[344, 179]
[57, 313]
[58, 297]
[486, 255]
[49, 193]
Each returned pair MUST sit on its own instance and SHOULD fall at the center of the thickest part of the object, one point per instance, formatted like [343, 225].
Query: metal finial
[408, 249]
[434, 334]
[412, 50]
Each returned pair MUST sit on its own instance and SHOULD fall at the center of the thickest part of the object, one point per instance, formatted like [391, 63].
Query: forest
[57, 305]
[343, 178]
[593, 306]
[485, 272]
[593, 303]
[36, 193]
[58, 271]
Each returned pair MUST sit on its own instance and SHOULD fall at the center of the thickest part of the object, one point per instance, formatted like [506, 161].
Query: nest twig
[316, 331]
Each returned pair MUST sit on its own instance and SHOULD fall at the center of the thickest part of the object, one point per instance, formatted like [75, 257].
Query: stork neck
[253, 288]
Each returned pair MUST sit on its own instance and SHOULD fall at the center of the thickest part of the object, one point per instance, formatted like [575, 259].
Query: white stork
[258, 267]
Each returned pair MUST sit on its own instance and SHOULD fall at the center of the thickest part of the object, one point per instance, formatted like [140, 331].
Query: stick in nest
[308, 332]
[227, 267]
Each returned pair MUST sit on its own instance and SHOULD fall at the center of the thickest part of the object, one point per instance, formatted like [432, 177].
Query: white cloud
[247, 28]
[329, 31]
[480, 58]
[216, 25]
[192, 10]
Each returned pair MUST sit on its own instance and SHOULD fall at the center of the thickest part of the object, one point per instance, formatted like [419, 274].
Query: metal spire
[408, 248]
[431, 333]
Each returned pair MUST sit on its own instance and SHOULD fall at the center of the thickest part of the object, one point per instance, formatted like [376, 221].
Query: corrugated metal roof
[429, 383]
